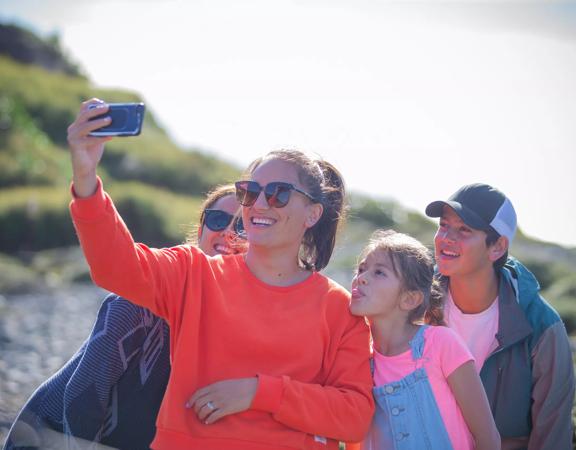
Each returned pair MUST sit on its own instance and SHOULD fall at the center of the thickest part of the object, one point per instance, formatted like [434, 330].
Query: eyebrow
[457, 219]
[385, 266]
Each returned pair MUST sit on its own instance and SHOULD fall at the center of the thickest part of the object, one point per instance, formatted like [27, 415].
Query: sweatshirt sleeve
[339, 408]
[553, 391]
[143, 275]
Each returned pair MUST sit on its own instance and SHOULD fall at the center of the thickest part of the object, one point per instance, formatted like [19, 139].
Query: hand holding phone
[126, 120]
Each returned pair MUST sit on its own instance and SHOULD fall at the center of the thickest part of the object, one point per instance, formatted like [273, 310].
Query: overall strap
[417, 343]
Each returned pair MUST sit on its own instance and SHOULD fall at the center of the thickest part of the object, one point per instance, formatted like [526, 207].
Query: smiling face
[279, 228]
[460, 249]
[377, 290]
[218, 242]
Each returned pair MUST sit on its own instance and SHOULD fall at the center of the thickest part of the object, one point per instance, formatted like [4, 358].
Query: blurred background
[409, 100]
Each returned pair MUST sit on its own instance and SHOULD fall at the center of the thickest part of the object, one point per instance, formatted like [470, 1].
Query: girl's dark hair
[413, 264]
[211, 198]
[326, 185]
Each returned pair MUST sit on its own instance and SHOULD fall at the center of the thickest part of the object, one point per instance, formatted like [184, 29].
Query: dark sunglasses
[218, 220]
[277, 193]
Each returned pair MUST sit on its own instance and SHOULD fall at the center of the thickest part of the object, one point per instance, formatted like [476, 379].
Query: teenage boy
[518, 340]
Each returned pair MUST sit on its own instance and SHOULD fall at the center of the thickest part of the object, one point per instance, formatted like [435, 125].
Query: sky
[410, 100]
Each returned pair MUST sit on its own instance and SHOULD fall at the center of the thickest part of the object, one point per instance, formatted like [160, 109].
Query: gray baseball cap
[481, 207]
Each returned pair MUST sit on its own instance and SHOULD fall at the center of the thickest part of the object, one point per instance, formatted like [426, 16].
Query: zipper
[497, 390]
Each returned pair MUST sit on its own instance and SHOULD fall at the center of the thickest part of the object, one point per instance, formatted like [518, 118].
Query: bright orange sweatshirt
[309, 354]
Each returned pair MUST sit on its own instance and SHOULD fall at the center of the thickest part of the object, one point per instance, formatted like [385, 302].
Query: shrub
[378, 212]
[562, 295]
[37, 218]
[15, 276]
[27, 156]
[543, 271]
[33, 219]
[25, 46]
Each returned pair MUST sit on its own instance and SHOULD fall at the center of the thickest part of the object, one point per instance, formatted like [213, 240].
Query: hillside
[157, 185]
[38, 100]
[24, 46]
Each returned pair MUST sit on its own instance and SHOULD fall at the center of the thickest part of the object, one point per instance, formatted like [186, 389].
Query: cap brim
[434, 209]
[468, 216]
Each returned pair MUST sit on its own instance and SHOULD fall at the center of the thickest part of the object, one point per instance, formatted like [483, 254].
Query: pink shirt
[443, 353]
[478, 331]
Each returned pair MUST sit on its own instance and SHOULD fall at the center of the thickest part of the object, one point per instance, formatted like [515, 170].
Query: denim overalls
[407, 416]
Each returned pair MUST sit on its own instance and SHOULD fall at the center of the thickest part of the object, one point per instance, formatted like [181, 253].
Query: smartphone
[126, 118]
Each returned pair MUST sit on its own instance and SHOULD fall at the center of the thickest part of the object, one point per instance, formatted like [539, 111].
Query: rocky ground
[39, 332]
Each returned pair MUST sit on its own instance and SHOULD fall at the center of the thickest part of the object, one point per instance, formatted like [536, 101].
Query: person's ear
[314, 214]
[199, 234]
[411, 300]
[498, 248]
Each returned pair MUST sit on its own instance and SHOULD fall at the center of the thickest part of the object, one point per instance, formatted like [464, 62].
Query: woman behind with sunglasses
[110, 391]
[265, 354]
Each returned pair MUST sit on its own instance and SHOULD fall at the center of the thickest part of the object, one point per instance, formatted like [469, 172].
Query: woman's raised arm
[85, 150]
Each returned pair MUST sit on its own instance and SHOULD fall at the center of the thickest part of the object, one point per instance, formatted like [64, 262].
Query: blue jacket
[529, 378]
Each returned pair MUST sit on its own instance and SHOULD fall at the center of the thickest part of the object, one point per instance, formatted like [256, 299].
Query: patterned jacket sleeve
[117, 338]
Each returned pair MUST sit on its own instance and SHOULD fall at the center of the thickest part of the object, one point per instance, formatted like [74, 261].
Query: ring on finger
[211, 406]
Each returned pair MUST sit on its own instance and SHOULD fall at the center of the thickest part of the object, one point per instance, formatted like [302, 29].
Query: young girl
[428, 393]
[264, 352]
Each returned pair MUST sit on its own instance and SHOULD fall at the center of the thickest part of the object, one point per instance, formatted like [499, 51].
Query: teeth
[449, 253]
[262, 221]
[222, 249]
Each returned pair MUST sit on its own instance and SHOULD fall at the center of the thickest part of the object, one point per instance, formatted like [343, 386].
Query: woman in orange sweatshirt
[265, 354]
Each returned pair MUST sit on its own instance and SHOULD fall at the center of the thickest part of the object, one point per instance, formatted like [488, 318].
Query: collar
[513, 325]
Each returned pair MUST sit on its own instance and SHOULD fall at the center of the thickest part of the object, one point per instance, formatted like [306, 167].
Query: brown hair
[413, 264]
[326, 185]
[211, 198]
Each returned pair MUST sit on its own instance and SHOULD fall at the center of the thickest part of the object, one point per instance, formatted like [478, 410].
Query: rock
[39, 332]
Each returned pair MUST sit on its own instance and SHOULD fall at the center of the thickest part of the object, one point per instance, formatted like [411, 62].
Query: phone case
[127, 119]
